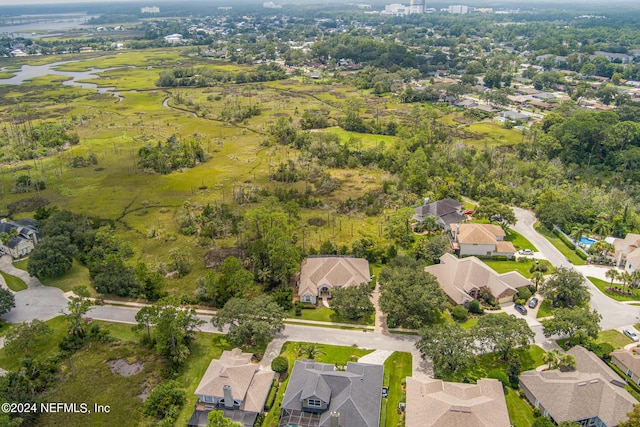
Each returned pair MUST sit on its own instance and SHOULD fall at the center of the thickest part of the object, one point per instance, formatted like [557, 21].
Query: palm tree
[566, 361]
[551, 359]
[429, 223]
[308, 351]
[537, 278]
[635, 278]
[602, 228]
[613, 275]
[626, 279]
[577, 231]
[4, 238]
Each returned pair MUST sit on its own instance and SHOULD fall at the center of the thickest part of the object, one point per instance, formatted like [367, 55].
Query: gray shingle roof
[354, 393]
[587, 392]
[446, 209]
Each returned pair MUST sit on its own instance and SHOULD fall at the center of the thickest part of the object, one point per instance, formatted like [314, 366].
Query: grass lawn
[78, 275]
[501, 266]
[396, 368]
[14, 283]
[603, 284]
[22, 264]
[332, 354]
[615, 338]
[4, 327]
[545, 309]
[559, 244]
[529, 359]
[520, 412]
[519, 241]
[324, 314]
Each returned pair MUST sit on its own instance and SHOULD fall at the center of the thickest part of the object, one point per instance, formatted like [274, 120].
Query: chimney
[228, 397]
[335, 419]
[426, 201]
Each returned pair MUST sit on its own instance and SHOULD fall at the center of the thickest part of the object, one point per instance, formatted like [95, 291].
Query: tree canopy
[566, 287]
[451, 348]
[503, 333]
[352, 302]
[576, 324]
[7, 301]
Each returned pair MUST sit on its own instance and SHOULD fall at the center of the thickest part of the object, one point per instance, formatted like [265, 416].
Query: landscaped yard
[615, 338]
[324, 314]
[522, 267]
[529, 359]
[520, 412]
[14, 283]
[77, 275]
[603, 284]
[519, 241]
[545, 309]
[396, 368]
[559, 244]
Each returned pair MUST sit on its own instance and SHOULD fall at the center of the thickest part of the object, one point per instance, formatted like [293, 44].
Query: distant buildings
[173, 38]
[271, 5]
[396, 9]
[458, 8]
[150, 9]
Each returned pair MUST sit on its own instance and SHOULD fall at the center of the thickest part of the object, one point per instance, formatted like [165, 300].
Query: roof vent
[581, 384]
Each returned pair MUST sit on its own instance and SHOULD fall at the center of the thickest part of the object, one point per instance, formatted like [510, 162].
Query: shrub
[459, 313]
[279, 365]
[566, 241]
[582, 255]
[524, 293]
[475, 308]
[163, 399]
[271, 398]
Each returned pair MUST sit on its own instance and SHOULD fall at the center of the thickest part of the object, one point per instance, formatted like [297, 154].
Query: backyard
[396, 368]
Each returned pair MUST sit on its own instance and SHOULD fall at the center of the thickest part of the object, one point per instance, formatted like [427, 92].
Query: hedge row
[273, 392]
[566, 241]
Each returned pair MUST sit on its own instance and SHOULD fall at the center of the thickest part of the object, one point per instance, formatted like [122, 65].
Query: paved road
[614, 314]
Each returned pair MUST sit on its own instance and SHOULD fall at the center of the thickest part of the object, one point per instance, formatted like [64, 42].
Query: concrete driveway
[35, 302]
[615, 315]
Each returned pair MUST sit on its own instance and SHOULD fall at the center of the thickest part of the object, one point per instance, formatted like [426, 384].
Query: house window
[629, 373]
[537, 404]
[307, 298]
[208, 399]
[314, 402]
[545, 413]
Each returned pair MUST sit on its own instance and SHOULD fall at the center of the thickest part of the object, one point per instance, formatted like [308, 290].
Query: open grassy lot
[77, 276]
[502, 266]
[14, 283]
[529, 358]
[494, 133]
[559, 244]
[602, 285]
[610, 336]
[520, 412]
[396, 368]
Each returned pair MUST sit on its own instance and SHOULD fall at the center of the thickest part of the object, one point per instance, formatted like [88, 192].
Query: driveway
[35, 302]
[614, 314]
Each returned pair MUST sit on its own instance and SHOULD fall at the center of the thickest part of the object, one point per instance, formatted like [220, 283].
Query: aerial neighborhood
[320, 214]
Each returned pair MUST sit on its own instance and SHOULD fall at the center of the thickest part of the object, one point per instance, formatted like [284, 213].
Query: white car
[526, 252]
[631, 334]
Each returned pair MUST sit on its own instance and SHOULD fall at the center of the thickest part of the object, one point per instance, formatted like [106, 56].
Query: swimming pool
[587, 241]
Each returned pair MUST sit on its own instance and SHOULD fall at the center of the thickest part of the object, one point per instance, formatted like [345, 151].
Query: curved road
[615, 315]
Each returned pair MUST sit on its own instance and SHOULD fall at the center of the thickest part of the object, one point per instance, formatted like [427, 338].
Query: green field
[520, 412]
[502, 266]
[545, 309]
[14, 283]
[324, 314]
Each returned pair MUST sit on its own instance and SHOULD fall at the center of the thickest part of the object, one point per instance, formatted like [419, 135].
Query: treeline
[66, 236]
[171, 155]
[206, 76]
[24, 141]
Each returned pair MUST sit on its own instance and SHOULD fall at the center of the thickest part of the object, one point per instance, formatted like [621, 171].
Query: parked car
[385, 391]
[632, 335]
[533, 302]
[521, 309]
[526, 252]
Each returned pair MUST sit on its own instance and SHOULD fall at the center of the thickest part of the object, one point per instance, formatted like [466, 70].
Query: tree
[217, 419]
[612, 274]
[22, 336]
[251, 322]
[112, 275]
[543, 422]
[146, 317]
[233, 281]
[566, 287]
[634, 418]
[451, 348]
[410, 296]
[308, 351]
[52, 257]
[150, 281]
[164, 400]
[503, 333]
[352, 302]
[175, 328]
[7, 301]
[493, 210]
[573, 323]
[399, 226]
[78, 305]
[537, 278]
[432, 248]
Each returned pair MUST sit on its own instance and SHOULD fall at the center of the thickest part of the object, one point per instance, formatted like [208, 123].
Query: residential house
[234, 385]
[446, 212]
[319, 396]
[320, 274]
[23, 234]
[621, 58]
[629, 362]
[464, 279]
[626, 254]
[514, 115]
[437, 403]
[592, 394]
[481, 240]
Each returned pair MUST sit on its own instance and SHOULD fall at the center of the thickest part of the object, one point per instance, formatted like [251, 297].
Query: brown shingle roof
[628, 358]
[482, 234]
[432, 403]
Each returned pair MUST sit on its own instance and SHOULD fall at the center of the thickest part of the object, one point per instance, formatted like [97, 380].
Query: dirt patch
[146, 391]
[124, 368]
